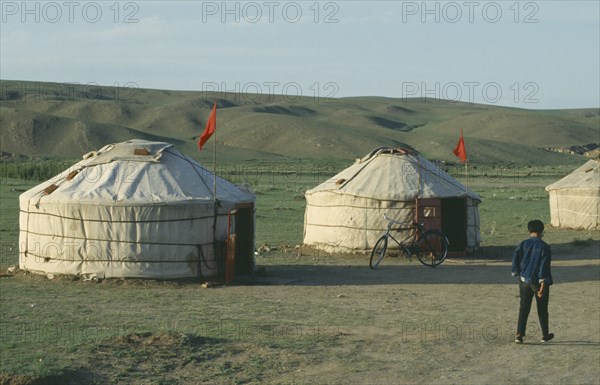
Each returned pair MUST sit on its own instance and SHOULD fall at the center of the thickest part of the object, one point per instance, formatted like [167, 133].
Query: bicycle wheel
[378, 252]
[432, 248]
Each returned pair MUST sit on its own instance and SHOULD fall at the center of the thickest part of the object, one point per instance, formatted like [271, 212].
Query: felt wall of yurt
[575, 199]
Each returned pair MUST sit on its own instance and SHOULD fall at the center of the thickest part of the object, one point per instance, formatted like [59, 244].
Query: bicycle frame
[430, 247]
[416, 231]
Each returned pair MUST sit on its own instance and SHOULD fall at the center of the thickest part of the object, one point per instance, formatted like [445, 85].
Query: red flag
[460, 151]
[211, 126]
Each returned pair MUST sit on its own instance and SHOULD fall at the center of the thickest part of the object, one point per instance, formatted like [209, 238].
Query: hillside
[55, 120]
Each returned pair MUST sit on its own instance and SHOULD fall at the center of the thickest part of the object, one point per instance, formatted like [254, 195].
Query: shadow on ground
[448, 273]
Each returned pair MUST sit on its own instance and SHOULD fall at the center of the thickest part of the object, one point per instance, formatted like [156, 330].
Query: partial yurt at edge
[575, 199]
[345, 213]
[135, 209]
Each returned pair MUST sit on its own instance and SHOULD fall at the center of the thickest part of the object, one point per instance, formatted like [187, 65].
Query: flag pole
[215, 163]
[210, 130]
[467, 176]
[216, 248]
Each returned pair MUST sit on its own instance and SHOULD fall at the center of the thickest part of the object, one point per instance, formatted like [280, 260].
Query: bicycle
[429, 246]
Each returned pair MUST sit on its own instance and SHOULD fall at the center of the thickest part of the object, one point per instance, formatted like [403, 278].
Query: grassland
[317, 318]
[64, 121]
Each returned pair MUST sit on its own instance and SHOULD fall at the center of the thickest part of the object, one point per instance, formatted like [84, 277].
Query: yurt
[575, 199]
[137, 209]
[345, 213]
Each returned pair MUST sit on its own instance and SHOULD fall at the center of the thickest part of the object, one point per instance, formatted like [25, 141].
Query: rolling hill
[56, 120]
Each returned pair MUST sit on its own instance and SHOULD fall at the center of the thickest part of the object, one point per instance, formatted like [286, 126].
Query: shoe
[547, 337]
[518, 339]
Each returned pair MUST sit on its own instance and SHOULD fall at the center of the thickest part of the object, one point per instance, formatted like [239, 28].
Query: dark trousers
[527, 292]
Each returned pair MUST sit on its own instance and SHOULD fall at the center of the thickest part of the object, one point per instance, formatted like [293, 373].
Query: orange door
[429, 213]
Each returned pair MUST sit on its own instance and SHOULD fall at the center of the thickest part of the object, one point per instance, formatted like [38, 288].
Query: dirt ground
[401, 324]
[455, 324]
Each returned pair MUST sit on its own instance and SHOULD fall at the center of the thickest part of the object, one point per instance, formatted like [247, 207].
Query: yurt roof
[394, 174]
[585, 177]
[136, 172]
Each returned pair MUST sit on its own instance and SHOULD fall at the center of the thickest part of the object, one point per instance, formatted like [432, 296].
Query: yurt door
[240, 242]
[231, 246]
[429, 213]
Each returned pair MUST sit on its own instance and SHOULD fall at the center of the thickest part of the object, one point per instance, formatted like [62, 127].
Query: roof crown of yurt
[135, 209]
[346, 212]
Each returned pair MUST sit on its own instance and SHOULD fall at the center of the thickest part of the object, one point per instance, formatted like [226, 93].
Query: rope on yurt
[27, 231]
[120, 221]
[192, 163]
[440, 174]
[215, 200]
[366, 163]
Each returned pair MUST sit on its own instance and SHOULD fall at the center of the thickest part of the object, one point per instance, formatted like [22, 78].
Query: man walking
[531, 263]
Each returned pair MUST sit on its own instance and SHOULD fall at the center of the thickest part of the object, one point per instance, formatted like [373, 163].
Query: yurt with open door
[345, 213]
[136, 209]
[575, 199]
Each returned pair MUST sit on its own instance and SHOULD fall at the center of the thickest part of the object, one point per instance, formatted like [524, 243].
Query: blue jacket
[531, 261]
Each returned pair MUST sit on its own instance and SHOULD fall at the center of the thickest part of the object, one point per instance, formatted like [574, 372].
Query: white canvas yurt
[575, 199]
[345, 213]
[135, 209]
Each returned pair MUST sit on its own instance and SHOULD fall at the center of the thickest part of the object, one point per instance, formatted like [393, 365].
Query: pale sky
[526, 54]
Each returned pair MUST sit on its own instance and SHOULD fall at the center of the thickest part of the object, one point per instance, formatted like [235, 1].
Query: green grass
[152, 332]
[46, 327]
[10, 189]
[279, 128]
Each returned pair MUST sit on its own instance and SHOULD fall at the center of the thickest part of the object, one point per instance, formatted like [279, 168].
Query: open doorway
[454, 223]
[240, 242]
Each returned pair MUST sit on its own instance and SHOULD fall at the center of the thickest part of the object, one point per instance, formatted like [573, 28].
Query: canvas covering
[345, 213]
[575, 199]
[116, 214]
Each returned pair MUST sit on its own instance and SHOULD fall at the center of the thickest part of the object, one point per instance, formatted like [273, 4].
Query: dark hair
[535, 226]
